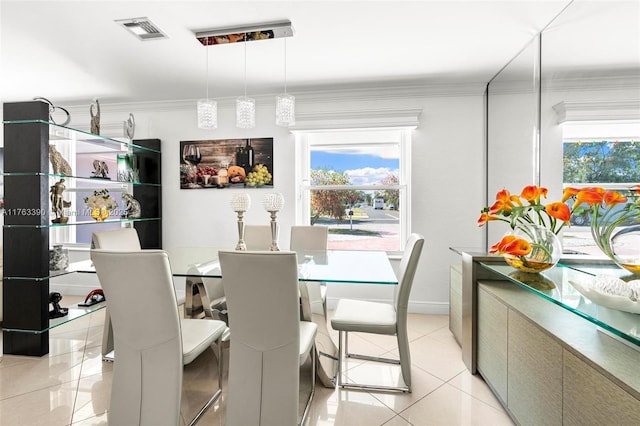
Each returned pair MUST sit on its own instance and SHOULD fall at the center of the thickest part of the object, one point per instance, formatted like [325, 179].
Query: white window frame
[304, 141]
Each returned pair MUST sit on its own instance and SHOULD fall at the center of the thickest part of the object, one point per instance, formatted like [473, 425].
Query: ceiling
[73, 51]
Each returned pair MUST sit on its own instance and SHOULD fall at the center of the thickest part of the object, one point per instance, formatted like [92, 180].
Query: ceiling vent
[142, 28]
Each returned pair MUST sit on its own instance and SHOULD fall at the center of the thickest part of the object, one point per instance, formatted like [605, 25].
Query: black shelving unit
[27, 221]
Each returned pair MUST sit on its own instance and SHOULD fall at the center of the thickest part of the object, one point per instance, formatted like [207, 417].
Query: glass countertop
[331, 266]
[556, 286]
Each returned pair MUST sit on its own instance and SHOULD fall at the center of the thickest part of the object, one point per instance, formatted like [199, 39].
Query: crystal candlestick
[240, 203]
[273, 203]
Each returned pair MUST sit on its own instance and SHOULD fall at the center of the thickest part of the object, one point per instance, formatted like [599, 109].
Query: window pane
[355, 220]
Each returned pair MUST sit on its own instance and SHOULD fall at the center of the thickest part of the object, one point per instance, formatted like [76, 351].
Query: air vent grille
[142, 28]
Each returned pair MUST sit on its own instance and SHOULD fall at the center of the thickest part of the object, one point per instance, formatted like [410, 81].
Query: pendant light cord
[285, 65]
[206, 47]
[245, 65]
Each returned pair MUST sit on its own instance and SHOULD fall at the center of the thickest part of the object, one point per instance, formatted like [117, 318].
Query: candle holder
[273, 203]
[240, 203]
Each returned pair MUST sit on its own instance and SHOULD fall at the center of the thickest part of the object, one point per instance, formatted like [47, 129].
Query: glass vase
[545, 249]
[617, 234]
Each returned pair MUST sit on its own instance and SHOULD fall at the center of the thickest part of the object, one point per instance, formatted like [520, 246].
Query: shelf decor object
[129, 127]
[273, 203]
[95, 117]
[101, 204]
[240, 203]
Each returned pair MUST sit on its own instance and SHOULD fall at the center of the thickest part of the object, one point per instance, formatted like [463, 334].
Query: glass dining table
[330, 266]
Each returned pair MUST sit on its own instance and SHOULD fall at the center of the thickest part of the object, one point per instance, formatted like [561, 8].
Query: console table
[550, 355]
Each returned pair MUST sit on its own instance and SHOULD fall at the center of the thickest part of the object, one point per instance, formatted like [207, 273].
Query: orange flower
[559, 211]
[533, 193]
[510, 244]
[517, 247]
[497, 247]
[614, 197]
[589, 196]
[485, 217]
[568, 193]
[636, 189]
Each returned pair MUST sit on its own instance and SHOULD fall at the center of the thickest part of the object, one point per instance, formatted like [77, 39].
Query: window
[357, 184]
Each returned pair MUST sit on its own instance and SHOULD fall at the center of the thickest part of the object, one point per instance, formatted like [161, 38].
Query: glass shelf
[62, 133]
[93, 222]
[99, 183]
[74, 313]
[554, 285]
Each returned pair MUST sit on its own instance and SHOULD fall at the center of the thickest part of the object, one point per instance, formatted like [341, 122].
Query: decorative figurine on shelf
[52, 111]
[58, 163]
[95, 118]
[100, 170]
[58, 203]
[132, 209]
[130, 127]
[57, 312]
[58, 258]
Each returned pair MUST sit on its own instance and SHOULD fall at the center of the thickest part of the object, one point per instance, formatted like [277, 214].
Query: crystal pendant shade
[245, 112]
[285, 110]
[207, 114]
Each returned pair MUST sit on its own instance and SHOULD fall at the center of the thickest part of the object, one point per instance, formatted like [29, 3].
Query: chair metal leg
[358, 386]
[218, 392]
[313, 386]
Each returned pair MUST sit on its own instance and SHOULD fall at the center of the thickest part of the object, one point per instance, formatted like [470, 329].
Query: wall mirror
[588, 89]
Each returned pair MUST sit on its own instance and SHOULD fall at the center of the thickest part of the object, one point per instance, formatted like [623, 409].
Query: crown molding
[625, 110]
[355, 119]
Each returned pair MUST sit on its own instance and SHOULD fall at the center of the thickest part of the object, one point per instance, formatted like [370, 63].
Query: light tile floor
[71, 385]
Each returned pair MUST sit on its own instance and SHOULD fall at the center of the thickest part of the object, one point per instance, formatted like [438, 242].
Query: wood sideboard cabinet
[549, 354]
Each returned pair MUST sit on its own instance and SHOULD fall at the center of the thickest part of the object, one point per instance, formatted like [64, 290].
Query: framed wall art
[224, 163]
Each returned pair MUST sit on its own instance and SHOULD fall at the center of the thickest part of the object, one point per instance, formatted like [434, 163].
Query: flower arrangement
[101, 200]
[615, 223]
[528, 248]
[527, 214]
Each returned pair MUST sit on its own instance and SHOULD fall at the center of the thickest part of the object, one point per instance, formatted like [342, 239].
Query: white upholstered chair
[152, 341]
[118, 239]
[209, 299]
[312, 238]
[257, 237]
[269, 342]
[380, 318]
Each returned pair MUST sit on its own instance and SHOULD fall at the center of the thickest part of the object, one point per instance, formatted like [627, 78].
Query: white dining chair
[117, 239]
[257, 237]
[152, 341]
[380, 318]
[269, 343]
[311, 238]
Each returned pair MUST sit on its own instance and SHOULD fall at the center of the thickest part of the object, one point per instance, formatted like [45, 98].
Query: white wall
[447, 167]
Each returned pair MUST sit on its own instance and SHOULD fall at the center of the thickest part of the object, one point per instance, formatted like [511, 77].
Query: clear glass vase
[617, 234]
[545, 249]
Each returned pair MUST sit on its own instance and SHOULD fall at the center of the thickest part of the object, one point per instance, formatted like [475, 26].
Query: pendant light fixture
[207, 108]
[245, 107]
[285, 103]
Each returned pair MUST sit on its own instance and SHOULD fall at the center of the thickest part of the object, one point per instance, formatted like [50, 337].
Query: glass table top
[560, 285]
[330, 266]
